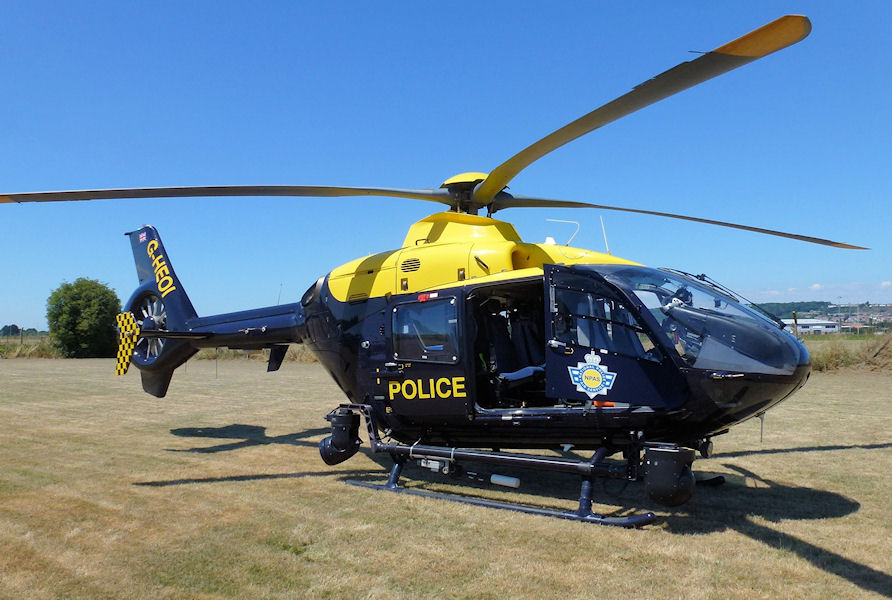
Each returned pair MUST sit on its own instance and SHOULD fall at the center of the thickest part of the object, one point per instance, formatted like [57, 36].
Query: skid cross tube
[587, 470]
[590, 468]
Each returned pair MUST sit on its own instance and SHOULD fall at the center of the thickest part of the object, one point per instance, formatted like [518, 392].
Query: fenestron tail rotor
[150, 308]
[132, 340]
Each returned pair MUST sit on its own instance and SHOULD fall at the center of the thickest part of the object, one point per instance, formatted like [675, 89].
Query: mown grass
[218, 491]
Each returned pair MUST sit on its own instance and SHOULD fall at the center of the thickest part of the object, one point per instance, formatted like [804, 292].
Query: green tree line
[784, 310]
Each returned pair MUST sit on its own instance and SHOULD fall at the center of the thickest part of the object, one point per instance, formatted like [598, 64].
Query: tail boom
[160, 329]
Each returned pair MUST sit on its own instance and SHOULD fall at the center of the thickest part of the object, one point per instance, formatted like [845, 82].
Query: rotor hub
[462, 188]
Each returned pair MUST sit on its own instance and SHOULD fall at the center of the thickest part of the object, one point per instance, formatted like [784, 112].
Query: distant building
[813, 326]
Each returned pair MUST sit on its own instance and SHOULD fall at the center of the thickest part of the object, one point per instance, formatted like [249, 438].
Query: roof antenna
[604, 230]
[572, 223]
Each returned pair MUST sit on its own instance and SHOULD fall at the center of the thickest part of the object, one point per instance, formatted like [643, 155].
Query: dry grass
[296, 353]
[30, 347]
[217, 491]
[42, 348]
[830, 352]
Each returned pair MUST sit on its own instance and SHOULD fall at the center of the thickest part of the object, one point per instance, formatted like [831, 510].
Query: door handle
[557, 344]
[390, 372]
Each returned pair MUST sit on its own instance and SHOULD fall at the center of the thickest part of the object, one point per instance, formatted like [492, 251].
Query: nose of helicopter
[737, 395]
[738, 360]
[804, 356]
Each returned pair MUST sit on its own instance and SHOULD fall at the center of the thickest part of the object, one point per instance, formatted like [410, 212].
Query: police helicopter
[467, 341]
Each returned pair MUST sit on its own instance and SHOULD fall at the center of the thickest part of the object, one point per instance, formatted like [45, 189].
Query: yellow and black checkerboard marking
[128, 336]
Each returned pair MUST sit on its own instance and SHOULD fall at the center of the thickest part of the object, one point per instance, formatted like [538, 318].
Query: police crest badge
[591, 377]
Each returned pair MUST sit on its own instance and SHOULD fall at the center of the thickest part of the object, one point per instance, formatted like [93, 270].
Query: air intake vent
[410, 264]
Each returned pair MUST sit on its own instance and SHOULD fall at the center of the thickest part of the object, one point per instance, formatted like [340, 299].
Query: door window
[596, 319]
[426, 331]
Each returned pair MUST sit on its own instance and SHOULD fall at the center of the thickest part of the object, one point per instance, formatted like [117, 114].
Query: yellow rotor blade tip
[769, 38]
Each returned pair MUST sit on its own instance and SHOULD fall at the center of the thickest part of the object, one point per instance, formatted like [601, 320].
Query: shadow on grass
[246, 436]
[253, 477]
[255, 435]
[734, 506]
[860, 575]
[737, 508]
[802, 449]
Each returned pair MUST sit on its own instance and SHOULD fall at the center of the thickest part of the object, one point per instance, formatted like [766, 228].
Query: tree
[10, 330]
[81, 316]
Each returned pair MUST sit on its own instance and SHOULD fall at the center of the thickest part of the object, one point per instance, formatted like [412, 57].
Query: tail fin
[155, 273]
[161, 329]
[158, 305]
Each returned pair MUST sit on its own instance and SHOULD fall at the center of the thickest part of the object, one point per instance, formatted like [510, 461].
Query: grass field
[218, 491]
[831, 352]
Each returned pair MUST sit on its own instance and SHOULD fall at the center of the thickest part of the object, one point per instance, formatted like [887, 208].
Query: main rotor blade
[507, 201]
[441, 196]
[769, 38]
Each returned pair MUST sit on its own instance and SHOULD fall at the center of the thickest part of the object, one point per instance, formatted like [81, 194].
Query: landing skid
[587, 470]
[583, 513]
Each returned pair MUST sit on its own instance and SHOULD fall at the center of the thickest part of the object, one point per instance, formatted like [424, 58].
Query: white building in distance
[812, 326]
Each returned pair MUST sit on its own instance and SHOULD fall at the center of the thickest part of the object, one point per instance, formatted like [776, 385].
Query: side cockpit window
[426, 331]
[708, 327]
[597, 320]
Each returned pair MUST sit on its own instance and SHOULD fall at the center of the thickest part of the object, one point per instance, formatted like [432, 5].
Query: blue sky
[124, 94]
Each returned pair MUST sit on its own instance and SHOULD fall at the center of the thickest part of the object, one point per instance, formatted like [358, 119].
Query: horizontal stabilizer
[174, 335]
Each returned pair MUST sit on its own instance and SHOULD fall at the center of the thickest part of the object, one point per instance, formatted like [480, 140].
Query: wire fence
[24, 338]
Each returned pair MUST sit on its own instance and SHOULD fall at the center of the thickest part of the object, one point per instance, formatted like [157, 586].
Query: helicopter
[467, 341]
